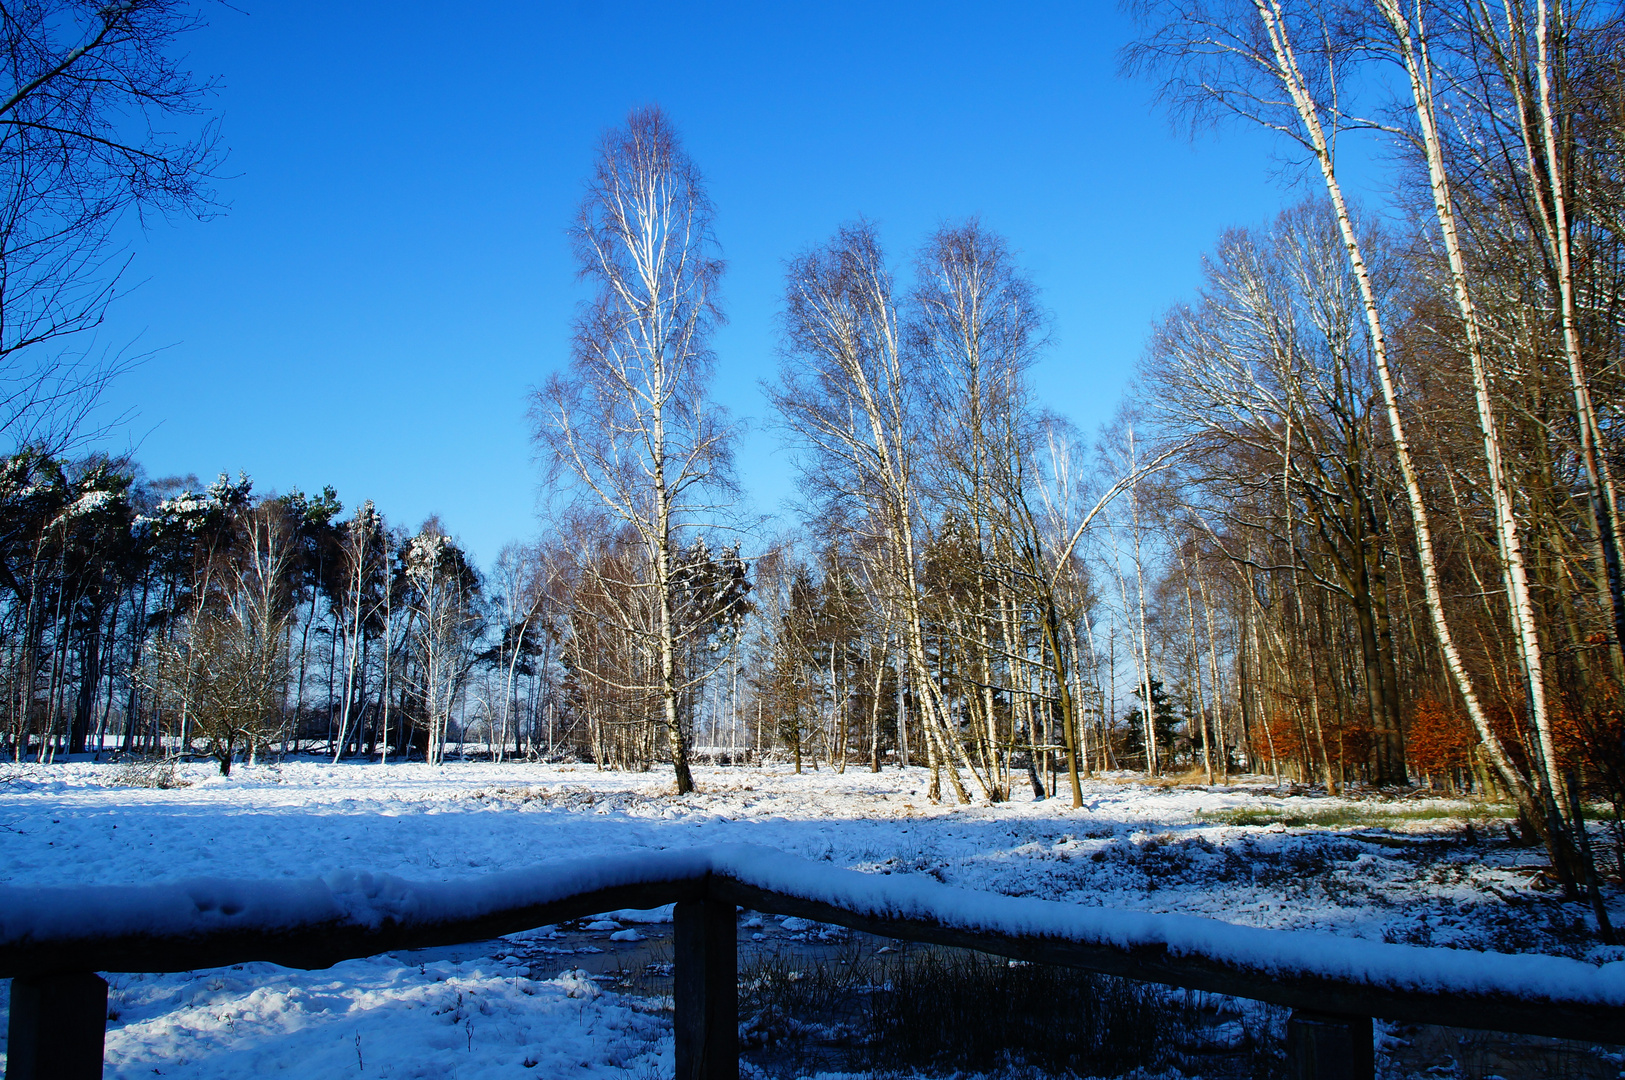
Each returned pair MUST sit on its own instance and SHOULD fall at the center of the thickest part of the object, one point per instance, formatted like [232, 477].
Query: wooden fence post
[705, 990]
[1327, 1046]
[56, 1027]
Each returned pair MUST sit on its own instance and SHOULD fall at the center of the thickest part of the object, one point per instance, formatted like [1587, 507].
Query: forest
[1356, 526]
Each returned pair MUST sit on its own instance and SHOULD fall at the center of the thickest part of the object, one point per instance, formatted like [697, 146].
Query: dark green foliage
[1163, 720]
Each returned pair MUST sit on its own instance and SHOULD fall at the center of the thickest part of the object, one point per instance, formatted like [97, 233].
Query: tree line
[156, 616]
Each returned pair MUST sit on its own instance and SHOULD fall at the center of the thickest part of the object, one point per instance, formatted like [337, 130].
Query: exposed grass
[1355, 815]
[782, 993]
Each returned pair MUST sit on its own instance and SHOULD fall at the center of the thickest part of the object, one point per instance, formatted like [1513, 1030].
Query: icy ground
[1403, 870]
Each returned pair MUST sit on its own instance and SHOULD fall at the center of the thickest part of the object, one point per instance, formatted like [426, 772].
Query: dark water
[643, 967]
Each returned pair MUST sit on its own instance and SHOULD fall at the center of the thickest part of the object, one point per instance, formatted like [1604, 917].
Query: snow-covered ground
[1403, 870]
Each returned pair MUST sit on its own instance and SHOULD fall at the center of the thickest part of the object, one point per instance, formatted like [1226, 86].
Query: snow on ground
[1402, 870]
[467, 1020]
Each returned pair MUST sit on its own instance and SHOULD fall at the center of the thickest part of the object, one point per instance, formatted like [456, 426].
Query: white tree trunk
[1314, 137]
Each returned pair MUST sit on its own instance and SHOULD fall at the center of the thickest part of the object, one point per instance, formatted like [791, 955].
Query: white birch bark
[631, 424]
[1314, 137]
[1411, 41]
[1537, 125]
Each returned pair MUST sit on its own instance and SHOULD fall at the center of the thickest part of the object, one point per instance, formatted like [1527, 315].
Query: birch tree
[1281, 65]
[977, 324]
[629, 423]
[1269, 379]
[523, 597]
[1409, 41]
[1516, 127]
[362, 557]
[446, 621]
[848, 393]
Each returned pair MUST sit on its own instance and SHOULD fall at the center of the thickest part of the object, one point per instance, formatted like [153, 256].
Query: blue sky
[391, 275]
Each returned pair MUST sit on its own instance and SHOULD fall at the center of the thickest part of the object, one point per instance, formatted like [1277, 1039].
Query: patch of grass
[1353, 816]
[787, 997]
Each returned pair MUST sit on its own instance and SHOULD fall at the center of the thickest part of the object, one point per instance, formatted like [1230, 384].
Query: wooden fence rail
[53, 941]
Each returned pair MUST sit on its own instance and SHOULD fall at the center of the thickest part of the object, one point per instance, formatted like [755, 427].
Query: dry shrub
[163, 773]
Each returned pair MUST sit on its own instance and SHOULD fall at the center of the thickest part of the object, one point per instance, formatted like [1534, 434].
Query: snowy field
[1420, 871]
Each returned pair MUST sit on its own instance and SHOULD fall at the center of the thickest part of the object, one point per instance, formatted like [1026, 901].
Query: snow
[377, 1018]
[367, 842]
[91, 502]
[363, 899]
[633, 915]
[185, 503]
[1284, 954]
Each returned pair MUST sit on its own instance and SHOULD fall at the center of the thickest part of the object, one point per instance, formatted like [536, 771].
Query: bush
[161, 772]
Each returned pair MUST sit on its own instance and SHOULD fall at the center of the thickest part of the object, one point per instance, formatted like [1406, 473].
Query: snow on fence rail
[51, 940]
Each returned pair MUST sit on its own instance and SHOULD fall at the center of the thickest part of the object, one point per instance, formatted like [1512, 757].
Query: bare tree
[629, 422]
[1505, 72]
[227, 668]
[523, 601]
[976, 324]
[1042, 503]
[90, 96]
[1279, 64]
[1409, 42]
[446, 621]
[1269, 379]
[848, 391]
[363, 558]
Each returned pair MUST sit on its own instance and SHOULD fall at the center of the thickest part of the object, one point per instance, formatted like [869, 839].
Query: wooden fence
[53, 941]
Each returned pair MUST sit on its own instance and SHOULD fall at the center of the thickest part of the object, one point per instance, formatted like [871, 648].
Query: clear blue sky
[391, 275]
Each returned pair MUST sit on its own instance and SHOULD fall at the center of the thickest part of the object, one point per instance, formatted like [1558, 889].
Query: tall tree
[1269, 379]
[1294, 66]
[446, 610]
[630, 422]
[976, 321]
[848, 391]
[363, 558]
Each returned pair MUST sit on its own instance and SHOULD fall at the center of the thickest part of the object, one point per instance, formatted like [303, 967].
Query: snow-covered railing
[53, 940]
